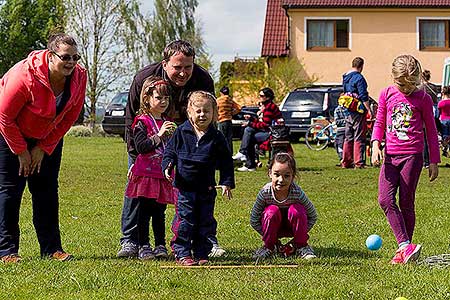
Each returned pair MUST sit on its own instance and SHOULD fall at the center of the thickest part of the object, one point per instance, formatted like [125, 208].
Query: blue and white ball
[374, 242]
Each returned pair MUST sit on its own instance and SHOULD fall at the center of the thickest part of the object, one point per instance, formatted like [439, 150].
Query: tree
[98, 26]
[25, 25]
[171, 20]
[248, 76]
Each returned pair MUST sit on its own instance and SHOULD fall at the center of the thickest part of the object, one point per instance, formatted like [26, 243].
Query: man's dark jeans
[250, 138]
[130, 214]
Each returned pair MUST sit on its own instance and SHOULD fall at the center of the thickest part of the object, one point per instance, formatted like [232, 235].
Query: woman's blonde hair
[150, 84]
[202, 96]
[406, 72]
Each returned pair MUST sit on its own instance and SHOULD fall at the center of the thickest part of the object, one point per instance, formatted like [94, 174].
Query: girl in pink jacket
[403, 112]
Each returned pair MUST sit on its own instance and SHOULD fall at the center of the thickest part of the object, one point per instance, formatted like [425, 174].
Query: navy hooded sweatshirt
[354, 82]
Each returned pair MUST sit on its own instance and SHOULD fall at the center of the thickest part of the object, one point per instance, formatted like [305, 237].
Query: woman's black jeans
[44, 191]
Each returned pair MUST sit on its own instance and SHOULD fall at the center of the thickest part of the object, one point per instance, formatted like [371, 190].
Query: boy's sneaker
[187, 261]
[262, 253]
[245, 169]
[306, 252]
[61, 256]
[11, 258]
[239, 156]
[160, 251]
[128, 249]
[146, 252]
[408, 254]
[216, 251]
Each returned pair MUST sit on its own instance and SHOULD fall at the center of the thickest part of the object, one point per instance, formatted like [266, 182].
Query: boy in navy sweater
[197, 149]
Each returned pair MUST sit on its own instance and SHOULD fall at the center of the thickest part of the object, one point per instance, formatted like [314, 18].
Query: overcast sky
[230, 27]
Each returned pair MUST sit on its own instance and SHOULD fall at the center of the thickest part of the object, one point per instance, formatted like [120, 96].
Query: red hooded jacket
[28, 105]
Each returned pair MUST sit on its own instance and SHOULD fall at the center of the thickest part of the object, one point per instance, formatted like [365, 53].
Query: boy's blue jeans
[194, 224]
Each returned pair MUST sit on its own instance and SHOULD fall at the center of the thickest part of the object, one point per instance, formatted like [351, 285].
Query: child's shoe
[11, 258]
[146, 252]
[61, 256]
[407, 254]
[262, 253]
[239, 156]
[187, 261]
[216, 251]
[306, 252]
[128, 249]
[160, 251]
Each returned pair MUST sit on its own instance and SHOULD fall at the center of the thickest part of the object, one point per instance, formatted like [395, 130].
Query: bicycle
[319, 136]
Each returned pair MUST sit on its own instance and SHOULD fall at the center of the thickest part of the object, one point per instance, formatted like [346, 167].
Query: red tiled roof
[275, 30]
[365, 3]
[275, 37]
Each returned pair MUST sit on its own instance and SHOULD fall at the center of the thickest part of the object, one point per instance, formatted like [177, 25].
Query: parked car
[238, 120]
[114, 120]
[300, 106]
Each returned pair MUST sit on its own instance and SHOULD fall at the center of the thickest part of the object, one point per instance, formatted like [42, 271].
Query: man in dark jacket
[185, 76]
[356, 124]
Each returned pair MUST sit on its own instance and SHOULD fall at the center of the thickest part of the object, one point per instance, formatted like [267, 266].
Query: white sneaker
[306, 252]
[239, 156]
[245, 169]
[216, 251]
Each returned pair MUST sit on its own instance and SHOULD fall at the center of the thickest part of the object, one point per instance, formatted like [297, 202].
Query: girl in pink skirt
[151, 130]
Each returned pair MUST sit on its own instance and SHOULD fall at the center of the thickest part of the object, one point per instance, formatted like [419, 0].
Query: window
[327, 34]
[434, 34]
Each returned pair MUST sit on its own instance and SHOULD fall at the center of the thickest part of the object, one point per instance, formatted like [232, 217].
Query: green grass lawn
[92, 181]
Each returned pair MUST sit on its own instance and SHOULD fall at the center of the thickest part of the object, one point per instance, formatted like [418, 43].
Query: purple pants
[278, 223]
[400, 172]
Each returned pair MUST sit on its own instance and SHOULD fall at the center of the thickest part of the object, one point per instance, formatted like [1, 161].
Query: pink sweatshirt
[403, 118]
[444, 109]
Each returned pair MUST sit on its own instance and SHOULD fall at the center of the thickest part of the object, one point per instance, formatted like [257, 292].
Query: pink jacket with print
[28, 105]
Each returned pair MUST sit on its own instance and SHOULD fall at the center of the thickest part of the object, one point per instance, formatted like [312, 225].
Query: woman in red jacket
[40, 99]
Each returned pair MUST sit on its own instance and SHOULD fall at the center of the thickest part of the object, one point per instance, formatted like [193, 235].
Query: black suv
[302, 105]
[114, 120]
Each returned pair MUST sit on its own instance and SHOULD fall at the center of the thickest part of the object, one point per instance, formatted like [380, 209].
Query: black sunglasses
[67, 57]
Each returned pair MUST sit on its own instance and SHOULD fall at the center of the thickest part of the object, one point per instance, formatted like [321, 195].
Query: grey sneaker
[146, 252]
[216, 251]
[306, 252]
[160, 251]
[262, 253]
[128, 249]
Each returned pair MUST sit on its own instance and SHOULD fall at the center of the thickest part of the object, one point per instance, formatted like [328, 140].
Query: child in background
[403, 112]
[151, 130]
[282, 209]
[444, 117]
[340, 114]
[195, 151]
[227, 108]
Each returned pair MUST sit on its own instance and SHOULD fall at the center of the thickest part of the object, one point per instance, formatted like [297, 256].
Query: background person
[227, 109]
[40, 98]
[257, 131]
[184, 76]
[356, 125]
[403, 111]
[444, 117]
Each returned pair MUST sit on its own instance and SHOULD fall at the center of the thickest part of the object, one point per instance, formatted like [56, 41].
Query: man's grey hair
[178, 46]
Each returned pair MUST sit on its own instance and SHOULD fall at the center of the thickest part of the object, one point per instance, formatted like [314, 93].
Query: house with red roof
[325, 35]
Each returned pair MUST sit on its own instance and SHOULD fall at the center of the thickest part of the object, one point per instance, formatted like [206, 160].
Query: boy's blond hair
[202, 96]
